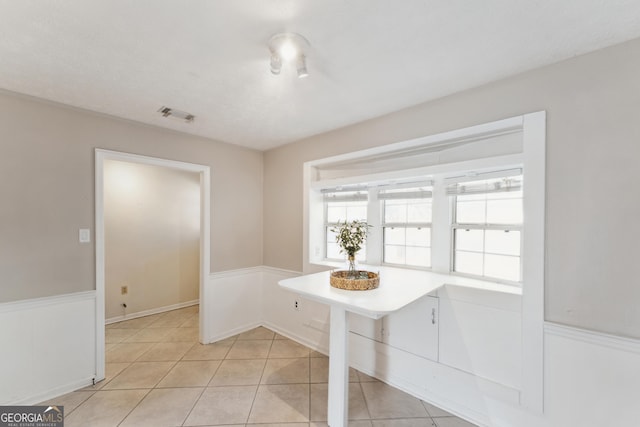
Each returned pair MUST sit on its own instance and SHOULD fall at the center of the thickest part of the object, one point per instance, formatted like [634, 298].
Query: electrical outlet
[296, 305]
[124, 290]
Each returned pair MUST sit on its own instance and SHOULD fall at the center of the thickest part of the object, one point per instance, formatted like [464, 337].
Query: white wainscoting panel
[48, 347]
[234, 302]
[591, 379]
[483, 340]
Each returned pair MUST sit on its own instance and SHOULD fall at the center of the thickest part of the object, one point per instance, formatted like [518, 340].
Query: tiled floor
[159, 375]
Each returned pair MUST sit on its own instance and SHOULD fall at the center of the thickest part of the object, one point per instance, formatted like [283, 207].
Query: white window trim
[532, 159]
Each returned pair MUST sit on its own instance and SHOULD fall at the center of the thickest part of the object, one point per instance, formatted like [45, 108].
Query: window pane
[503, 242]
[419, 257]
[356, 213]
[506, 211]
[502, 267]
[333, 251]
[470, 212]
[395, 212]
[418, 237]
[336, 213]
[394, 254]
[419, 212]
[469, 240]
[394, 236]
[468, 262]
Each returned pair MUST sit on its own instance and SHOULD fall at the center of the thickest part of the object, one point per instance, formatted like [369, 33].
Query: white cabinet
[414, 328]
[365, 326]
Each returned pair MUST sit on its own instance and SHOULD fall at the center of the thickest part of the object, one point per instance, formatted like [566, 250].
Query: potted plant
[350, 236]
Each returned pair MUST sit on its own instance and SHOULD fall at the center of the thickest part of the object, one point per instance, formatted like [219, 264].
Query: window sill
[449, 281]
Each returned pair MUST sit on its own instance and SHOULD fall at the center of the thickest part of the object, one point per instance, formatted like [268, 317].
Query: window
[341, 206]
[487, 228]
[406, 225]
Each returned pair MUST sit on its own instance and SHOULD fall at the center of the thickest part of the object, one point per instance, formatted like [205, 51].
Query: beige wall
[152, 236]
[47, 193]
[592, 204]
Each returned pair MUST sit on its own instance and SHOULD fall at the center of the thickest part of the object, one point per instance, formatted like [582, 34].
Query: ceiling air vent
[177, 114]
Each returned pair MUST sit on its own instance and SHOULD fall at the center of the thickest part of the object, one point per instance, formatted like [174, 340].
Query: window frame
[405, 226]
[455, 225]
[531, 155]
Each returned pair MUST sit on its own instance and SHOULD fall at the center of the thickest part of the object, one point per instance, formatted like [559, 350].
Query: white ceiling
[210, 58]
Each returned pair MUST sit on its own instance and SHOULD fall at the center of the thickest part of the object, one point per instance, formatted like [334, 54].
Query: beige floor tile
[110, 372]
[149, 335]
[281, 404]
[163, 407]
[126, 352]
[288, 348]
[109, 346]
[194, 373]
[138, 323]
[182, 335]
[364, 378]
[249, 349]
[286, 371]
[140, 375]
[259, 333]
[317, 354]
[434, 411]
[280, 425]
[357, 406]
[165, 351]
[385, 401]
[191, 322]
[319, 367]
[70, 401]
[170, 321]
[360, 423]
[216, 351]
[406, 422]
[112, 336]
[239, 372]
[105, 408]
[452, 422]
[280, 337]
[222, 405]
[352, 423]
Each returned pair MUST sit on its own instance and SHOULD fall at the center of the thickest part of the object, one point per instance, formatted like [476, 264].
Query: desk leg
[338, 408]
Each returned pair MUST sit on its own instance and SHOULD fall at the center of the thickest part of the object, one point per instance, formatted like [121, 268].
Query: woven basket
[339, 279]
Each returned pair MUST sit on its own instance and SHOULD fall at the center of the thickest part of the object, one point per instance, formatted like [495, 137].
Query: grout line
[264, 368]
[231, 342]
[137, 404]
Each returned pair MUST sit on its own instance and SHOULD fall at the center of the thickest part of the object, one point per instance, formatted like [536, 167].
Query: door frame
[205, 239]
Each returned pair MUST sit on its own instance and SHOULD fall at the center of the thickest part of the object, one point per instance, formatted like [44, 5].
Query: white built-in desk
[398, 288]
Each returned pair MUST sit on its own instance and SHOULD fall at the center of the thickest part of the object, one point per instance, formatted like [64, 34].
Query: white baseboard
[151, 311]
[51, 394]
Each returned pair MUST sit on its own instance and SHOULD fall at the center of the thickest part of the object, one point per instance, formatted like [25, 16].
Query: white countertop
[398, 287]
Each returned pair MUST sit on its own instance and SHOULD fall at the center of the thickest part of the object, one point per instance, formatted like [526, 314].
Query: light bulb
[288, 50]
[302, 67]
[276, 64]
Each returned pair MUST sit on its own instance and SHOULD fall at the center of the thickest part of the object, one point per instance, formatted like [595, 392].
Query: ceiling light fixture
[285, 48]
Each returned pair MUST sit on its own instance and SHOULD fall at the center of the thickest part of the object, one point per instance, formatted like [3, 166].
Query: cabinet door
[414, 328]
[366, 327]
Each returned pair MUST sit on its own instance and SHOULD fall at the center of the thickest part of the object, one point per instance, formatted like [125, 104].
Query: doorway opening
[190, 233]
